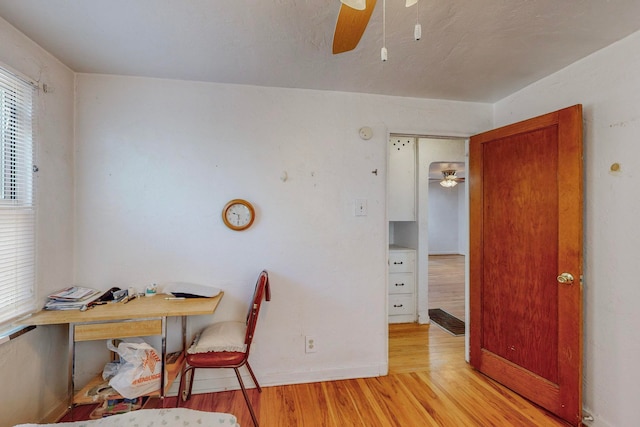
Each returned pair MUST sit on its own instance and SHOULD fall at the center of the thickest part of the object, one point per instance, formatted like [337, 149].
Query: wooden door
[525, 231]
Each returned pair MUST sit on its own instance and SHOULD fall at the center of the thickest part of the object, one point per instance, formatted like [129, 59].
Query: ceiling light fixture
[355, 4]
[449, 179]
[353, 18]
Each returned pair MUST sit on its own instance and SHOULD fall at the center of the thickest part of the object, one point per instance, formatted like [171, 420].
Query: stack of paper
[72, 298]
[190, 290]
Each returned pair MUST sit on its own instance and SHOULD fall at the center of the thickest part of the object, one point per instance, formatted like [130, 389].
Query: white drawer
[401, 261]
[401, 283]
[400, 304]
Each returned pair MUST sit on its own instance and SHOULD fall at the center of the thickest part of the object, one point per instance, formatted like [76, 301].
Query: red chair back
[262, 291]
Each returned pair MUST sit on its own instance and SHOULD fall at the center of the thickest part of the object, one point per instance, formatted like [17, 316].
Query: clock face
[238, 214]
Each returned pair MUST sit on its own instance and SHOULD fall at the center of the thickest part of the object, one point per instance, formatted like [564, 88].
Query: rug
[446, 321]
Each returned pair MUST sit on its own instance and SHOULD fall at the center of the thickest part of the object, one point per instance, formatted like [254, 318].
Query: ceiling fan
[449, 178]
[353, 18]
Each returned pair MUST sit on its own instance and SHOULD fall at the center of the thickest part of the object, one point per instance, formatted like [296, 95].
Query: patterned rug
[449, 323]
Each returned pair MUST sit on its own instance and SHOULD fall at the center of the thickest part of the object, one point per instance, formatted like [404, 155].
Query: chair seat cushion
[211, 359]
[221, 337]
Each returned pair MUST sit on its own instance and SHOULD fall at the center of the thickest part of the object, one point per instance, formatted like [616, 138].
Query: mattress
[156, 417]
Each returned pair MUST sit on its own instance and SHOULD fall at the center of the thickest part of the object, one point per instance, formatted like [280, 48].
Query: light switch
[361, 207]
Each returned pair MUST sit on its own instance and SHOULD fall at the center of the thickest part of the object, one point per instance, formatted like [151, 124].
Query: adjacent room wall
[33, 367]
[607, 84]
[444, 219]
[158, 159]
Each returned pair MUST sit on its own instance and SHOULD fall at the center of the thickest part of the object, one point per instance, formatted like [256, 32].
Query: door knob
[565, 278]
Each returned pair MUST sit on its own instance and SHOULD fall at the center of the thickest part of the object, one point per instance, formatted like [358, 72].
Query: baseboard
[325, 375]
[226, 380]
[56, 413]
[597, 420]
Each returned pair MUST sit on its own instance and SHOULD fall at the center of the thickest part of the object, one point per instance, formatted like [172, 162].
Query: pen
[174, 298]
[91, 305]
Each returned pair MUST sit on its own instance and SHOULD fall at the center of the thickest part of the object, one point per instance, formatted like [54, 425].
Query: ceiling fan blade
[350, 27]
[357, 4]
[411, 3]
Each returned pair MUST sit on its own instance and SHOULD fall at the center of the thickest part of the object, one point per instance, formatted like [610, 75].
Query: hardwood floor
[446, 284]
[429, 384]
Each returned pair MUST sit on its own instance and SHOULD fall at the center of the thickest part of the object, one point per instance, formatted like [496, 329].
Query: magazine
[71, 298]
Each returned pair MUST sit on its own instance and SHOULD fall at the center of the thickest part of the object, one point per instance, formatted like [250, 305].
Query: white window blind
[17, 207]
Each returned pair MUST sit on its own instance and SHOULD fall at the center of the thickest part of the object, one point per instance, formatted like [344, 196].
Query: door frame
[422, 250]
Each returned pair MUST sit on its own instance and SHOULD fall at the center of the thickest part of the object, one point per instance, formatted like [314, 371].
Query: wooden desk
[142, 316]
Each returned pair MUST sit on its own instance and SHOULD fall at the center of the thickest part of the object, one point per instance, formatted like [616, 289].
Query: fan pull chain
[417, 31]
[383, 51]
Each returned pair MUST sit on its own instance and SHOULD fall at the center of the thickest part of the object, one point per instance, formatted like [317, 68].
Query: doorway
[441, 231]
[413, 231]
[410, 228]
[448, 241]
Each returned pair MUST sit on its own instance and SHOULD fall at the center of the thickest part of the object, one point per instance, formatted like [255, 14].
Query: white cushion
[221, 336]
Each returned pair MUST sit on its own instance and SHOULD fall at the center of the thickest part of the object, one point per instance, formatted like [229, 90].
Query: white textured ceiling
[471, 50]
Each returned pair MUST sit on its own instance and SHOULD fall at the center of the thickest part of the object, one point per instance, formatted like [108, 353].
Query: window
[17, 207]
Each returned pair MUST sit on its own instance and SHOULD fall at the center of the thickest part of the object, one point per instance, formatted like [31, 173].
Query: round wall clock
[238, 214]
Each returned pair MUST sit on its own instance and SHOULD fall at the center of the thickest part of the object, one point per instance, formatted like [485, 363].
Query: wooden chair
[206, 356]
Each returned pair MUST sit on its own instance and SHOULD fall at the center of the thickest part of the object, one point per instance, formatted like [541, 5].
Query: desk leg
[184, 333]
[72, 365]
[164, 360]
[185, 384]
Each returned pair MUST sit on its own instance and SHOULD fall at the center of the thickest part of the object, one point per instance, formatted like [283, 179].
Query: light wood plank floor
[429, 384]
[446, 284]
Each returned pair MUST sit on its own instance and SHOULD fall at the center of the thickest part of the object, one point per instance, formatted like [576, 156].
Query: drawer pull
[397, 305]
[398, 263]
[399, 284]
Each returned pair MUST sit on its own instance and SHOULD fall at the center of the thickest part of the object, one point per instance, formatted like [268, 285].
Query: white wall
[33, 366]
[444, 219]
[607, 84]
[463, 217]
[158, 159]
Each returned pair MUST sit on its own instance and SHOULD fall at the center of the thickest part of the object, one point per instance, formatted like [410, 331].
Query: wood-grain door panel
[526, 229]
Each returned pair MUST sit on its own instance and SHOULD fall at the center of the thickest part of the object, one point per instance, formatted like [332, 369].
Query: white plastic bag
[138, 372]
[110, 370]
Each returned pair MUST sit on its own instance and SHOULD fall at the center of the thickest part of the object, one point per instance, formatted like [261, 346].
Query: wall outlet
[310, 344]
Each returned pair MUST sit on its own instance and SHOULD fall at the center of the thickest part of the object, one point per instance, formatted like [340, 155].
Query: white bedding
[156, 417]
